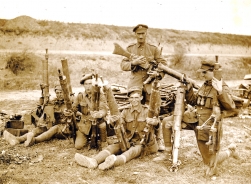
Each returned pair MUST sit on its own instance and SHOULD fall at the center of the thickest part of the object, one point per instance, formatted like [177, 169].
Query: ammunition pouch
[190, 117]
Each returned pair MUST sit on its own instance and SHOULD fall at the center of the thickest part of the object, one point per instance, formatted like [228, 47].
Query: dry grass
[58, 165]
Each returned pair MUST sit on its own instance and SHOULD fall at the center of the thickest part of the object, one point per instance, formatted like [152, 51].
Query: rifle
[154, 109]
[179, 108]
[95, 98]
[213, 141]
[118, 127]
[40, 115]
[67, 74]
[69, 113]
[155, 68]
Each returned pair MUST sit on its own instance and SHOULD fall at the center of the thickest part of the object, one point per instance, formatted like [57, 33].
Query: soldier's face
[141, 36]
[88, 86]
[207, 75]
[135, 99]
[59, 94]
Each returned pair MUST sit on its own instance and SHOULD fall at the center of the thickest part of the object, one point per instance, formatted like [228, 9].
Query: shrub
[18, 62]
[179, 53]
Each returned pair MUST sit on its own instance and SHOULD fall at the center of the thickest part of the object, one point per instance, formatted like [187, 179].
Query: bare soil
[53, 161]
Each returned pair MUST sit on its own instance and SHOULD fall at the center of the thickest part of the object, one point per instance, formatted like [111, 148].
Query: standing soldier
[210, 100]
[82, 105]
[134, 119]
[143, 54]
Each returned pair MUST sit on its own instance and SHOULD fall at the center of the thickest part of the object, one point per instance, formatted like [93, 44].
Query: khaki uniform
[82, 103]
[207, 101]
[139, 74]
[134, 123]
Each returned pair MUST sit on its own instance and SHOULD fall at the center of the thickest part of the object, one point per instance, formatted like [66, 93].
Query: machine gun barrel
[176, 74]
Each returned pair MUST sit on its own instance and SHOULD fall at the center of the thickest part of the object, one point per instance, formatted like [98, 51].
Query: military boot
[159, 137]
[232, 150]
[86, 161]
[11, 139]
[165, 156]
[30, 139]
[108, 163]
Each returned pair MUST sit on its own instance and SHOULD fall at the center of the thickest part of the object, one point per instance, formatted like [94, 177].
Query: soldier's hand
[96, 114]
[217, 84]
[139, 60]
[152, 121]
[113, 118]
[189, 86]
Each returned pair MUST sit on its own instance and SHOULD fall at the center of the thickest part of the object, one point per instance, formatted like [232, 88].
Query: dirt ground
[53, 161]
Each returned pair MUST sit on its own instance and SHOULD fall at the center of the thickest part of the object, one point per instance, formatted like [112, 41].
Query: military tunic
[138, 73]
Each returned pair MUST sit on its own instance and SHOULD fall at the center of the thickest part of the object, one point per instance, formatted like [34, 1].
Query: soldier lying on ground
[210, 100]
[54, 125]
[134, 119]
[82, 105]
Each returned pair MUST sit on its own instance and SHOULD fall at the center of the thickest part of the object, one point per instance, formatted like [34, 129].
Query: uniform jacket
[207, 100]
[139, 74]
[82, 103]
[134, 121]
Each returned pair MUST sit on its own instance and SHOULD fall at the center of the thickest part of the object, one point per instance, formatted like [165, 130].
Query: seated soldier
[82, 104]
[53, 125]
[134, 119]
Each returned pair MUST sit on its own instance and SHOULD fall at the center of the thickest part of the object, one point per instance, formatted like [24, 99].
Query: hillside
[29, 35]
[19, 31]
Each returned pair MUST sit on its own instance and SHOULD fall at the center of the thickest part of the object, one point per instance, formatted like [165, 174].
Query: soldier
[134, 119]
[82, 105]
[139, 66]
[211, 99]
[54, 125]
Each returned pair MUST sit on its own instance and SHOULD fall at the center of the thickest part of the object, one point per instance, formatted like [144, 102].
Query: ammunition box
[17, 132]
[15, 124]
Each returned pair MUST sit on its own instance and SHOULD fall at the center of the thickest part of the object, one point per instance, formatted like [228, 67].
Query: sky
[223, 16]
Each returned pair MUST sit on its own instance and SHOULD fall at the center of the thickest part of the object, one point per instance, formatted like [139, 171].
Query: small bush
[179, 53]
[18, 62]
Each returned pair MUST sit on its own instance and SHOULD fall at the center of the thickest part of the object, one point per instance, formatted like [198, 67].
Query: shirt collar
[138, 109]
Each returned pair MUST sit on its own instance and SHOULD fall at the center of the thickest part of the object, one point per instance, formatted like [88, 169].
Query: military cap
[134, 89]
[206, 65]
[140, 27]
[86, 77]
[58, 87]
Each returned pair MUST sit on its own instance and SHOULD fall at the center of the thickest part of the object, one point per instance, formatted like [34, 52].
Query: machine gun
[177, 75]
[179, 108]
[154, 109]
[95, 98]
[69, 113]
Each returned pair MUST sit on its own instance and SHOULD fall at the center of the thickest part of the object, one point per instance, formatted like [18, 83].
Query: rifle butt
[118, 50]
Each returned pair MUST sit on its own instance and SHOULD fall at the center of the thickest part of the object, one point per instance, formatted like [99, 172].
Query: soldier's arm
[225, 98]
[191, 97]
[103, 107]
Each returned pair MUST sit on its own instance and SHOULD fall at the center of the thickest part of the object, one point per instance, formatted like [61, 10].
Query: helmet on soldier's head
[134, 89]
[86, 77]
[140, 27]
[206, 65]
